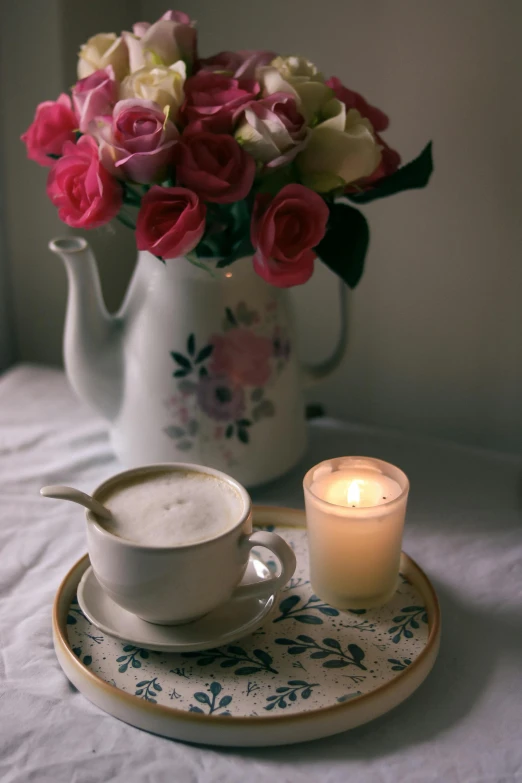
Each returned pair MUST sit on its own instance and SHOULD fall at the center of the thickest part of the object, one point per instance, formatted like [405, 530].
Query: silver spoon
[75, 496]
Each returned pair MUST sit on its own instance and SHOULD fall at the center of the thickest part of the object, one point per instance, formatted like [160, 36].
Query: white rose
[161, 84]
[100, 51]
[300, 78]
[341, 149]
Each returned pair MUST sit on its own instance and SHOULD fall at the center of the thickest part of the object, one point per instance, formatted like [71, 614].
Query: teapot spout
[92, 338]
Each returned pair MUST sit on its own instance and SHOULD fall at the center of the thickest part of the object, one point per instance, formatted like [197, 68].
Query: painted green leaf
[282, 689]
[129, 648]
[227, 664]
[138, 693]
[308, 619]
[207, 661]
[337, 664]
[142, 684]
[215, 688]
[144, 653]
[234, 650]
[408, 634]
[396, 639]
[332, 643]
[306, 693]
[307, 639]
[272, 698]
[393, 629]
[136, 664]
[248, 670]
[399, 619]
[244, 423]
[191, 345]
[123, 668]
[157, 686]
[356, 652]
[71, 620]
[297, 683]
[204, 353]
[292, 696]
[78, 651]
[412, 609]
[329, 611]
[121, 658]
[243, 435]
[282, 703]
[173, 431]
[414, 623]
[285, 641]
[202, 698]
[195, 709]
[320, 654]
[289, 603]
[270, 706]
[87, 660]
[357, 611]
[297, 650]
[225, 701]
[424, 618]
[395, 661]
[181, 360]
[263, 656]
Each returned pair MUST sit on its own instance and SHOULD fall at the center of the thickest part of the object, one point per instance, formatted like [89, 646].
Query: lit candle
[355, 509]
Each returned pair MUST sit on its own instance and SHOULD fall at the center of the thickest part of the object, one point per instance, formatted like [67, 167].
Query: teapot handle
[313, 373]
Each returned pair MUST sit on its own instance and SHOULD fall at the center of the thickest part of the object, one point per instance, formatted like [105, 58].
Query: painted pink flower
[54, 123]
[220, 398]
[242, 356]
[213, 101]
[284, 232]
[215, 167]
[171, 221]
[84, 192]
[94, 96]
[239, 65]
[137, 142]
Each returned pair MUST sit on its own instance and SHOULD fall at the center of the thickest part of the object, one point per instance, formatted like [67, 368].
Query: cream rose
[342, 148]
[100, 51]
[300, 78]
[162, 84]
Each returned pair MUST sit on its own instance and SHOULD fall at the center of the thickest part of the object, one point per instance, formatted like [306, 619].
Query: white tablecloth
[464, 527]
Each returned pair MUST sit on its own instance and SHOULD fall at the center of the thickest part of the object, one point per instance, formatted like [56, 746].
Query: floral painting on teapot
[222, 386]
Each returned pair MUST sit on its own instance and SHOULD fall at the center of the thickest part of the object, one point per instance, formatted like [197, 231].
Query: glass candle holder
[355, 509]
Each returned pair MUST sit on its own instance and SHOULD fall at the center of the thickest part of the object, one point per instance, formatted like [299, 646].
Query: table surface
[463, 526]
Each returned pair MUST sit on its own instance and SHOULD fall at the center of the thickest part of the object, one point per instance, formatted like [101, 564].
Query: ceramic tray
[309, 671]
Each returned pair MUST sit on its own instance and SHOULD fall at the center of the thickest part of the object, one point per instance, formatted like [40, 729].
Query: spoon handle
[75, 496]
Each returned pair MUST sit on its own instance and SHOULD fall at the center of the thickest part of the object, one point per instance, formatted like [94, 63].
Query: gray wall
[436, 325]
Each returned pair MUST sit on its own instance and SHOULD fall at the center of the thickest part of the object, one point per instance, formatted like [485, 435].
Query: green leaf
[329, 611]
[356, 652]
[284, 641]
[234, 650]
[204, 353]
[215, 688]
[181, 360]
[142, 684]
[180, 373]
[292, 696]
[195, 709]
[207, 661]
[297, 650]
[332, 643]
[320, 654]
[412, 609]
[243, 435]
[308, 619]
[191, 345]
[87, 660]
[247, 670]
[157, 686]
[139, 692]
[225, 701]
[202, 698]
[307, 639]
[357, 611]
[337, 664]
[343, 247]
[413, 175]
[282, 689]
[306, 693]
[270, 706]
[289, 603]
[297, 683]
[121, 658]
[129, 648]
[136, 664]
[263, 656]
[228, 663]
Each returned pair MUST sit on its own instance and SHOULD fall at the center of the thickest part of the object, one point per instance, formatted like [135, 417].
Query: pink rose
[213, 101]
[240, 65]
[171, 38]
[284, 230]
[138, 142]
[171, 221]
[352, 100]
[54, 123]
[215, 167]
[95, 95]
[242, 356]
[84, 192]
[272, 129]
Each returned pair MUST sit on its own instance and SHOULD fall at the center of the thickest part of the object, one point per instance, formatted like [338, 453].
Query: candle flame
[354, 493]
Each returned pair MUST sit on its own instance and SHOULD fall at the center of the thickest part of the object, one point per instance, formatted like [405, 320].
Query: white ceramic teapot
[196, 366]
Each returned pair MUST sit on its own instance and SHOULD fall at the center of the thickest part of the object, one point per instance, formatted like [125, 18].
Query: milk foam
[171, 509]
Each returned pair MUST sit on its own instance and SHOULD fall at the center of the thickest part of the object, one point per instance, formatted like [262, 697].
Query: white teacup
[171, 585]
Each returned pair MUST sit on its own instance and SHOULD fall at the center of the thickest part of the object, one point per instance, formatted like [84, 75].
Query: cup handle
[284, 553]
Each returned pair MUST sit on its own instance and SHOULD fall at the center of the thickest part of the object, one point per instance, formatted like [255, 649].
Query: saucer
[233, 620]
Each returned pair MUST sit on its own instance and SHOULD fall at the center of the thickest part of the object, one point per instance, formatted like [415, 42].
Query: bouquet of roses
[242, 153]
